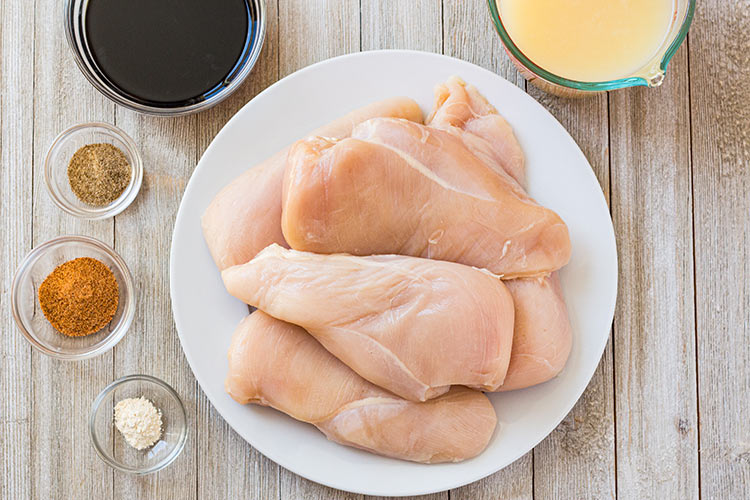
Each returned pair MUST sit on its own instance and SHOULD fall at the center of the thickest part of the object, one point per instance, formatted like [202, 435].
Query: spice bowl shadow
[27, 312]
[58, 158]
[111, 446]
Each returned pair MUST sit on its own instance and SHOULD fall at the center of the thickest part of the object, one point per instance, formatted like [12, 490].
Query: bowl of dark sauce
[165, 57]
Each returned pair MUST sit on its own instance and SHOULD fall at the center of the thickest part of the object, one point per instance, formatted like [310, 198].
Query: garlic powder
[139, 422]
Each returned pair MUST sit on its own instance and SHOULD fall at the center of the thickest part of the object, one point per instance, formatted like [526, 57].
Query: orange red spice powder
[79, 297]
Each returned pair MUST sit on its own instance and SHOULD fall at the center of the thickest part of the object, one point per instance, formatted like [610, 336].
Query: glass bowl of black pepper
[93, 170]
[80, 312]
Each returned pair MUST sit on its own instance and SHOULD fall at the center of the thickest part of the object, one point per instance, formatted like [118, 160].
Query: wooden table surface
[667, 414]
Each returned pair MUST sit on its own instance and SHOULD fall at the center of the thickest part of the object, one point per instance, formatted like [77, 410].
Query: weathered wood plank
[655, 390]
[294, 487]
[514, 482]
[577, 459]
[720, 108]
[64, 465]
[415, 25]
[16, 161]
[653, 327]
[315, 30]
[468, 34]
[142, 236]
[228, 467]
[309, 32]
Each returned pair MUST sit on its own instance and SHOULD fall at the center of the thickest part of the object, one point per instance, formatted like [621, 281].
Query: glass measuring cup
[650, 75]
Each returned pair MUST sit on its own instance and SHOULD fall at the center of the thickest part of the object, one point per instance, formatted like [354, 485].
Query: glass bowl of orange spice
[73, 297]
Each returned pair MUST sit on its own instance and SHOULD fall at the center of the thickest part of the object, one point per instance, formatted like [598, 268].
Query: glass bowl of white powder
[138, 424]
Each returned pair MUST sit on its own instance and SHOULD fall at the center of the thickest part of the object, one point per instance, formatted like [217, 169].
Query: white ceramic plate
[558, 176]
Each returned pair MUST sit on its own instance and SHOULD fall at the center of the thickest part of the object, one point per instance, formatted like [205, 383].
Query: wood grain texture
[514, 482]
[655, 390]
[666, 412]
[16, 163]
[315, 30]
[468, 34]
[720, 109]
[142, 237]
[578, 459]
[64, 464]
[310, 32]
[415, 25]
[228, 467]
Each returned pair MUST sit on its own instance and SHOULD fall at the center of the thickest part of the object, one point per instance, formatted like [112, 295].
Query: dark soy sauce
[168, 52]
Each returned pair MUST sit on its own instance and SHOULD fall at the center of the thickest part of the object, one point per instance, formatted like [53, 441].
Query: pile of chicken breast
[399, 270]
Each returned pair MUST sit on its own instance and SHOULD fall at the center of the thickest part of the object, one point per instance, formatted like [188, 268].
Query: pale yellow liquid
[588, 40]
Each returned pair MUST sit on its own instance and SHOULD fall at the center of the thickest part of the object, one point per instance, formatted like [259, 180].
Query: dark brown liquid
[168, 52]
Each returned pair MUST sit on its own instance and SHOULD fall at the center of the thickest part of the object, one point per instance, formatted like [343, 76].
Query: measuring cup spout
[656, 78]
[653, 74]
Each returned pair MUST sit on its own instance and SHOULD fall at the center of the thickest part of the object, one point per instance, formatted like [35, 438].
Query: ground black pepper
[99, 173]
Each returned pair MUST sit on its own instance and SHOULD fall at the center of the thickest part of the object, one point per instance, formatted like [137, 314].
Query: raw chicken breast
[400, 187]
[462, 110]
[277, 364]
[412, 326]
[542, 334]
[245, 216]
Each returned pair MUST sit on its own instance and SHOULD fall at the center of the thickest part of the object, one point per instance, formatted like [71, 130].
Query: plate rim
[611, 299]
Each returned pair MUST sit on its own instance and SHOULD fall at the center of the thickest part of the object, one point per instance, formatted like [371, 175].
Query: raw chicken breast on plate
[277, 364]
[245, 217]
[542, 335]
[412, 326]
[400, 187]
[460, 109]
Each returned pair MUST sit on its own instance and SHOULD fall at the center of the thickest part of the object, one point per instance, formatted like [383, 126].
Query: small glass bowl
[37, 265]
[75, 32]
[111, 446]
[62, 150]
